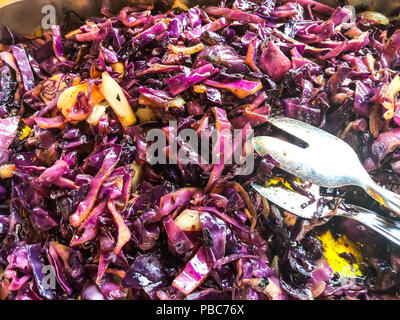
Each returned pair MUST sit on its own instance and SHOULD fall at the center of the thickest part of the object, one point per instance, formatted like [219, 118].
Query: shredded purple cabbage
[79, 196]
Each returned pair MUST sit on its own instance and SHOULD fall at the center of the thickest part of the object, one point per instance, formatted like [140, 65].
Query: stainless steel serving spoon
[327, 161]
[294, 202]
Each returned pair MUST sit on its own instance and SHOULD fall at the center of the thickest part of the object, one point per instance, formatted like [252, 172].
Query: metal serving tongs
[300, 205]
[327, 161]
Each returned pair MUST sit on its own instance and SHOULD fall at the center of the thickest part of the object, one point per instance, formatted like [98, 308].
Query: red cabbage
[274, 62]
[184, 81]
[8, 131]
[24, 66]
[109, 163]
[194, 273]
[80, 194]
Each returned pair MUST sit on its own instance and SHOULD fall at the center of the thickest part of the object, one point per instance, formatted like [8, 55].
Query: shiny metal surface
[292, 202]
[327, 161]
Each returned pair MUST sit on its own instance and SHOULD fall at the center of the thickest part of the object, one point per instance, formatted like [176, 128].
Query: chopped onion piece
[97, 111]
[7, 171]
[137, 176]
[145, 114]
[389, 92]
[117, 99]
[199, 88]
[188, 220]
[69, 97]
[374, 16]
[72, 33]
[186, 50]
[119, 68]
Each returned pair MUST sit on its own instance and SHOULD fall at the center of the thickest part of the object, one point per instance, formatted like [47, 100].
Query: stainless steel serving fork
[327, 161]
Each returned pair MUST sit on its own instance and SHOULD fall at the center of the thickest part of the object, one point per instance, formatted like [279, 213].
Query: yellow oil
[332, 250]
[278, 180]
[25, 132]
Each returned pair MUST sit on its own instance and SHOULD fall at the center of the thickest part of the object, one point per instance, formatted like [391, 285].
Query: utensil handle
[386, 227]
[385, 197]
